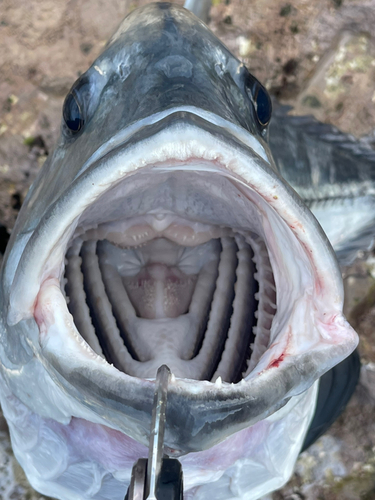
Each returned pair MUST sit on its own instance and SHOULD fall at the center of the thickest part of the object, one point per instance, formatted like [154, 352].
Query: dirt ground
[316, 55]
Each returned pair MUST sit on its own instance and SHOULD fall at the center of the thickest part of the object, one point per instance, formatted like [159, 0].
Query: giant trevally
[161, 232]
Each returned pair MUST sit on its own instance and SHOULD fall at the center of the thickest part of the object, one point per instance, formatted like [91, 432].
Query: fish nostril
[175, 67]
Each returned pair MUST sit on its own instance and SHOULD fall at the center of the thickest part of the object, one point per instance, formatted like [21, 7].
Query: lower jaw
[87, 458]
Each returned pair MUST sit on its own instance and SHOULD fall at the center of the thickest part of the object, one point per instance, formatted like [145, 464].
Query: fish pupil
[264, 107]
[72, 114]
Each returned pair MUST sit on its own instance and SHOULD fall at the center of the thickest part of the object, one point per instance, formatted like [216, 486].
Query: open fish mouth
[161, 288]
[178, 244]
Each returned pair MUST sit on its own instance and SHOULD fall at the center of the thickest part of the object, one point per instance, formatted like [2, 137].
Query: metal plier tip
[158, 477]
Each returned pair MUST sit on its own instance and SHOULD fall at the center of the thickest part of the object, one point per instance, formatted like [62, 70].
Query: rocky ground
[317, 55]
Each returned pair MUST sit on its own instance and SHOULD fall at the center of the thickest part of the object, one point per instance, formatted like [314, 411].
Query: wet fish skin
[155, 65]
[333, 173]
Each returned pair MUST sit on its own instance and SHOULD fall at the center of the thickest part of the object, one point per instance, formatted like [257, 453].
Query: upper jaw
[308, 336]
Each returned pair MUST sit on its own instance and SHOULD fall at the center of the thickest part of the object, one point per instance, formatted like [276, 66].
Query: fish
[160, 231]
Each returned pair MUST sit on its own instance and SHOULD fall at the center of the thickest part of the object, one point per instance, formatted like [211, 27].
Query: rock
[367, 379]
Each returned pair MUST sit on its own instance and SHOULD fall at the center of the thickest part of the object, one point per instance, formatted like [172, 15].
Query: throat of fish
[159, 289]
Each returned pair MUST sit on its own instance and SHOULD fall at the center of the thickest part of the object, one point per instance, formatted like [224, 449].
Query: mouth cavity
[159, 292]
[172, 268]
[180, 264]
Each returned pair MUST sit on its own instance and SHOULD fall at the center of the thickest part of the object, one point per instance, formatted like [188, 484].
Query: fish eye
[260, 99]
[263, 106]
[76, 105]
[72, 113]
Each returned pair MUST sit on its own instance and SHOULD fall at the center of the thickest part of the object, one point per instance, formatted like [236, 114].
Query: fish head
[160, 232]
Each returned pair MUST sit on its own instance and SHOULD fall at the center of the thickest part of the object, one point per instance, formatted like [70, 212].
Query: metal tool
[158, 477]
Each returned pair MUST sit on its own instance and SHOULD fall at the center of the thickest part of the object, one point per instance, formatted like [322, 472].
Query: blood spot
[276, 362]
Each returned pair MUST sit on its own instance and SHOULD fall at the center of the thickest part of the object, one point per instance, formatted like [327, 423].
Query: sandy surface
[318, 56]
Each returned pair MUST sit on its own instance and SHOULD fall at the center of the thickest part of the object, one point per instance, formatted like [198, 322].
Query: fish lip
[192, 113]
[244, 403]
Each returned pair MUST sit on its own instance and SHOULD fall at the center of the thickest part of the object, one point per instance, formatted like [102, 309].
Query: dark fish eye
[263, 106]
[72, 113]
[260, 99]
[77, 105]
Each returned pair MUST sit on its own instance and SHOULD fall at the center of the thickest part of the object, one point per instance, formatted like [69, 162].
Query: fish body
[335, 176]
[161, 232]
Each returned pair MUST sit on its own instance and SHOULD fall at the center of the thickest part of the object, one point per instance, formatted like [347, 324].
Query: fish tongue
[159, 291]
